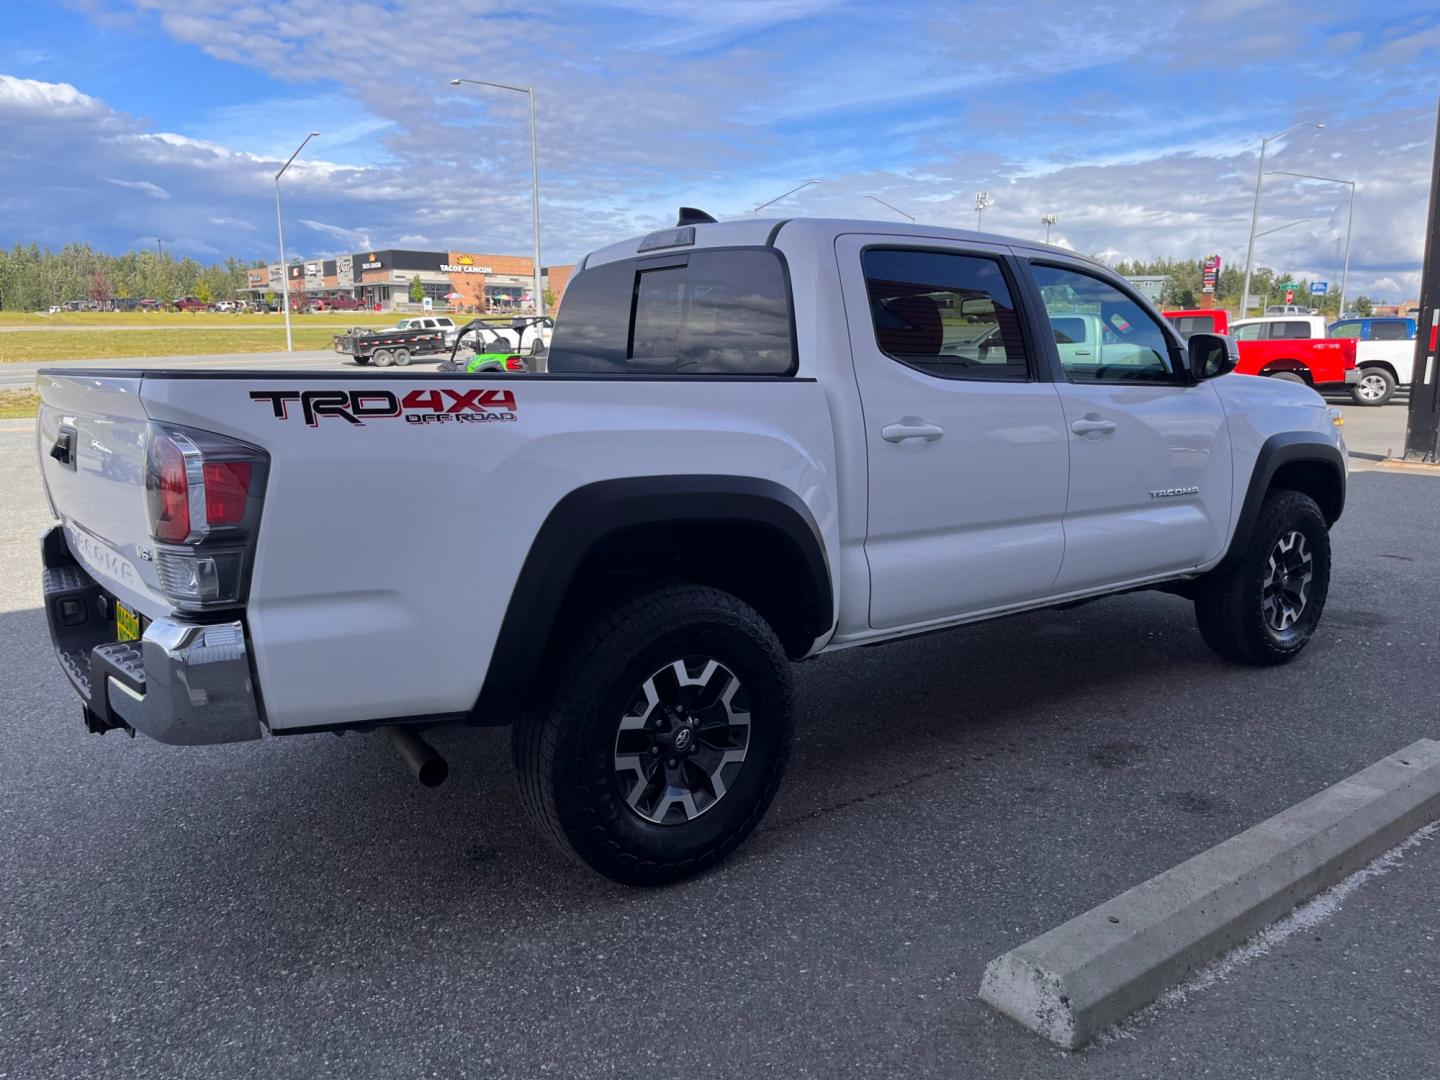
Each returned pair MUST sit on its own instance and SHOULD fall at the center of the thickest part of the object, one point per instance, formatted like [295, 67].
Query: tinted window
[945, 314]
[704, 312]
[1186, 325]
[1108, 336]
[1290, 331]
[1345, 330]
[1388, 331]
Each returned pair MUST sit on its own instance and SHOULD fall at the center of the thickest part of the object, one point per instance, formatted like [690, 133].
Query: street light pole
[885, 204]
[1349, 221]
[529, 92]
[280, 229]
[792, 191]
[1255, 210]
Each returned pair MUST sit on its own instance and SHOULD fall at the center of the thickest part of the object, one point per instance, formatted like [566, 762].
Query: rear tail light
[203, 493]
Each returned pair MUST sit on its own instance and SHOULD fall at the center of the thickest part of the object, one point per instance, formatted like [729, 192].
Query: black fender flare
[1278, 450]
[589, 515]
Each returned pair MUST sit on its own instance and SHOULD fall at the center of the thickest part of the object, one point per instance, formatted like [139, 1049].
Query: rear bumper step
[182, 683]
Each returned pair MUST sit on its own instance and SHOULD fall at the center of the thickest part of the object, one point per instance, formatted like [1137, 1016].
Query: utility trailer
[389, 345]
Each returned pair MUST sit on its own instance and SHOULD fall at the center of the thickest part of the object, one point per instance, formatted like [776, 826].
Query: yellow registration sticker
[127, 624]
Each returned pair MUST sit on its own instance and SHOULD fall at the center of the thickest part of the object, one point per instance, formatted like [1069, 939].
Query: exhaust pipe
[427, 765]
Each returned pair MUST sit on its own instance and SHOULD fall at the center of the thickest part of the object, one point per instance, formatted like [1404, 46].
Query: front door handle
[1093, 425]
[911, 427]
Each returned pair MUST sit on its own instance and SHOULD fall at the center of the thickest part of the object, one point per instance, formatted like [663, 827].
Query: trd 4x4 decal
[442, 406]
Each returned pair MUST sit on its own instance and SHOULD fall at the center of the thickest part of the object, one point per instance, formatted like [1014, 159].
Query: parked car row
[1370, 357]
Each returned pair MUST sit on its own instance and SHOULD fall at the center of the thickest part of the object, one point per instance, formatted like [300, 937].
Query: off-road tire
[1229, 604]
[565, 745]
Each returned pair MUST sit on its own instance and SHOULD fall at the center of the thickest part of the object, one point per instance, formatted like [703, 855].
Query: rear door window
[1388, 331]
[948, 314]
[723, 311]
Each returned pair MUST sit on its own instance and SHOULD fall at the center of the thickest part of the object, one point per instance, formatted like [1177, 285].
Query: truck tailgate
[91, 434]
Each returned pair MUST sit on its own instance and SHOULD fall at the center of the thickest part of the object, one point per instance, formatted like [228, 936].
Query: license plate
[127, 624]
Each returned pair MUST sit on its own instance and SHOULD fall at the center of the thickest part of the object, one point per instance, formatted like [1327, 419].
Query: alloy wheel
[1371, 387]
[682, 740]
[1286, 588]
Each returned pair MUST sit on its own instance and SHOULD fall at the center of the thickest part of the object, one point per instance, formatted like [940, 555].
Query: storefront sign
[374, 262]
[344, 271]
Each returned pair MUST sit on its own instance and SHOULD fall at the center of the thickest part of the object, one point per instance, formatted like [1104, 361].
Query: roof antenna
[690, 216]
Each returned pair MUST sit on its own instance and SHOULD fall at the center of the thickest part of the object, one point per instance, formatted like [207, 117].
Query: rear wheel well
[1383, 364]
[1316, 479]
[759, 564]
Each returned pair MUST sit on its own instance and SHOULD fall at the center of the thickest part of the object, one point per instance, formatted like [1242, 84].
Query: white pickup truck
[757, 441]
[1384, 353]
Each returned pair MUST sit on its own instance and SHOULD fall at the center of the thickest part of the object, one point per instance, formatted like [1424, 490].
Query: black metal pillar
[1422, 434]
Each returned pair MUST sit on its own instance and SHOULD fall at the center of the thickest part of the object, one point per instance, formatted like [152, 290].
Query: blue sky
[1136, 123]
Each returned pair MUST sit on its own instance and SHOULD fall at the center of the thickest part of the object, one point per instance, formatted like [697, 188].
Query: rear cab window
[706, 311]
[1185, 325]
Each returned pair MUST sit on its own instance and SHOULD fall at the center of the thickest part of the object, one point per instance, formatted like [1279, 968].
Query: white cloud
[1136, 124]
[155, 191]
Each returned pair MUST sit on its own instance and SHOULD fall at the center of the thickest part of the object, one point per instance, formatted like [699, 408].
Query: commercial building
[383, 279]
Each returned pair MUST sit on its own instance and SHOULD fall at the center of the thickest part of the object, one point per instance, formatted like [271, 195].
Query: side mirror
[1211, 355]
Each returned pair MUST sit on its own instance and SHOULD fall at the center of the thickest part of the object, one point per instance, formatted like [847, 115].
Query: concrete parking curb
[1073, 982]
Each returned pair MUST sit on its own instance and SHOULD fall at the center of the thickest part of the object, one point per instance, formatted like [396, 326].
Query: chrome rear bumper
[182, 683]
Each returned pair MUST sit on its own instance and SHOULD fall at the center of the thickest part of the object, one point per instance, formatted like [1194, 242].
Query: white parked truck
[757, 441]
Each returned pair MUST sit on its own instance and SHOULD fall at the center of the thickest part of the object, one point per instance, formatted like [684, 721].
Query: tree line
[33, 278]
[1185, 280]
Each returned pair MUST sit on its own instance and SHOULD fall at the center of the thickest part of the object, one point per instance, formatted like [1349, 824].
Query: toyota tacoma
[756, 441]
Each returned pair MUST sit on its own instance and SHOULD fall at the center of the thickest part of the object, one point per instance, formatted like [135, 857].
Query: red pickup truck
[1296, 348]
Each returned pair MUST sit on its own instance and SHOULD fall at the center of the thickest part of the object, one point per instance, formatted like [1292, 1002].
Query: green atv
[493, 349]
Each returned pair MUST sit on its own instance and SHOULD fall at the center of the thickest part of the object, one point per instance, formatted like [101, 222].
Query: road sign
[1319, 288]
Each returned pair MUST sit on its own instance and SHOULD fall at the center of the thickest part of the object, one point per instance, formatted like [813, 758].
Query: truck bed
[399, 505]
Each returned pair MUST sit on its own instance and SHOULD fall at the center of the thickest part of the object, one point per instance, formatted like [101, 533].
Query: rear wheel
[382, 358]
[401, 357]
[1376, 387]
[662, 739]
[1262, 606]
[1289, 376]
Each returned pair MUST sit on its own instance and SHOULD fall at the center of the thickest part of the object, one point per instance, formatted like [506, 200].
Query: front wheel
[663, 739]
[1376, 387]
[1262, 606]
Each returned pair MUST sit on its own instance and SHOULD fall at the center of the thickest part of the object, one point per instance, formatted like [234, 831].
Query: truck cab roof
[763, 232]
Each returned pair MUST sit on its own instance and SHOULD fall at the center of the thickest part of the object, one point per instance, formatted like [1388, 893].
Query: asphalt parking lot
[300, 908]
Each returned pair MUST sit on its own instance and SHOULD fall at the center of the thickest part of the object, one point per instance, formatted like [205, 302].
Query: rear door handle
[911, 427]
[1093, 425]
